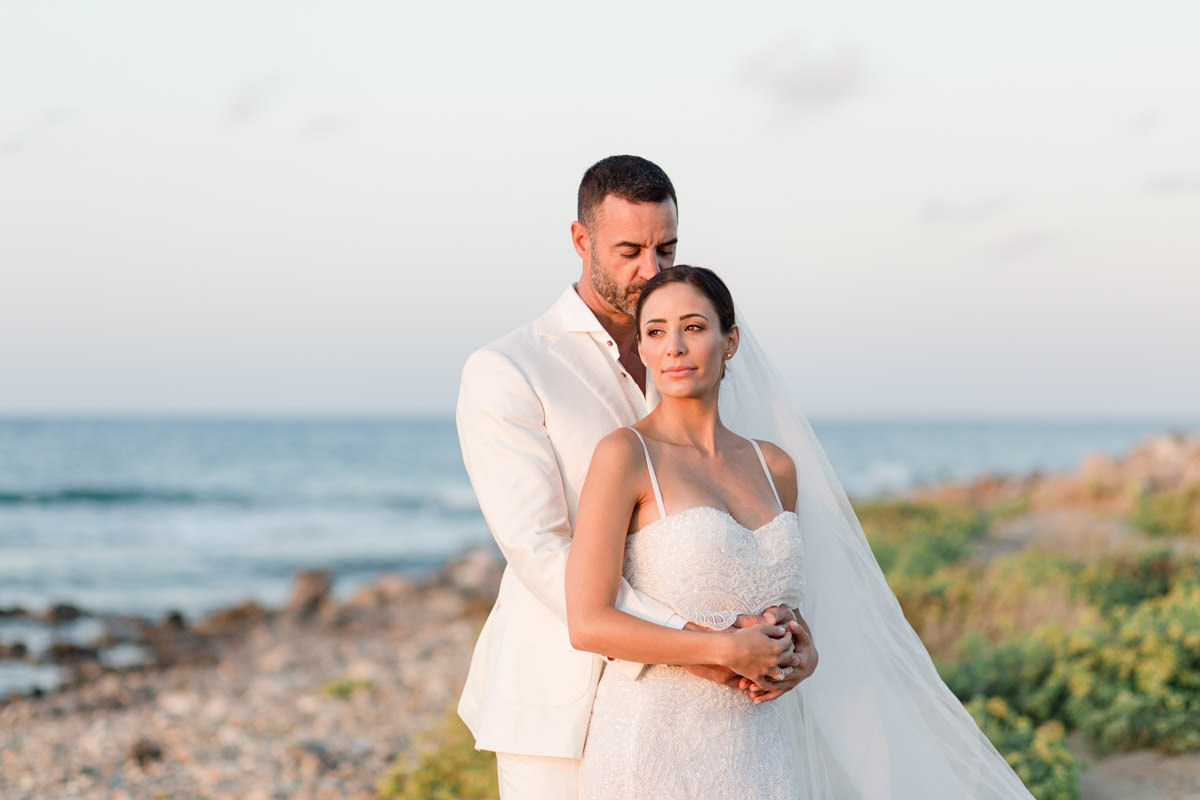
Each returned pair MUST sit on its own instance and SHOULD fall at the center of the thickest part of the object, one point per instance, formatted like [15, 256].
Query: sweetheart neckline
[720, 511]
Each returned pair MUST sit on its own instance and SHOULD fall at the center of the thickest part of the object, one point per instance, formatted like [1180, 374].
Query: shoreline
[318, 697]
[311, 700]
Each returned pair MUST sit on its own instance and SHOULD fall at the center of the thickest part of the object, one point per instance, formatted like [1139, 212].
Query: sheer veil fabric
[875, 721]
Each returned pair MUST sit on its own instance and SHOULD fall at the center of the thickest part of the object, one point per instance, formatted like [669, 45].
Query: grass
[446, 767]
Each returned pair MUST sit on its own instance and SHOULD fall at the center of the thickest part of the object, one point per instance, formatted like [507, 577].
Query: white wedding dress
[670, 734]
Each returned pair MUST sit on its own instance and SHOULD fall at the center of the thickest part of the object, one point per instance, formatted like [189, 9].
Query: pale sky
[922, 208]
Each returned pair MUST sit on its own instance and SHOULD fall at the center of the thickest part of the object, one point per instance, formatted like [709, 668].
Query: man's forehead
[619, 211]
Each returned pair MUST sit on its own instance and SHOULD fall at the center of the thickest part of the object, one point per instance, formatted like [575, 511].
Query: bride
[714, 524]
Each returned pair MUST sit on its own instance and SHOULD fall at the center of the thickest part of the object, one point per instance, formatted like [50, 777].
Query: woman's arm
[614, 487]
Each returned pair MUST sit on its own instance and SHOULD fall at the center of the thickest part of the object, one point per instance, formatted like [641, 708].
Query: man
[532, 407]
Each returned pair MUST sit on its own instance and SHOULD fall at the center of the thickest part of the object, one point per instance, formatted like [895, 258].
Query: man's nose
[649, 265]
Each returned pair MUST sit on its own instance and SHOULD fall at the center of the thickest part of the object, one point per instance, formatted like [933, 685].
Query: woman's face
[682, 344]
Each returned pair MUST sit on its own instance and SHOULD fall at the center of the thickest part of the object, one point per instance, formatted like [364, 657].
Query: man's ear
[581, 239]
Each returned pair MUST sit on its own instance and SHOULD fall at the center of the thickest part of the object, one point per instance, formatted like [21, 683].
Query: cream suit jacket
[531, 408]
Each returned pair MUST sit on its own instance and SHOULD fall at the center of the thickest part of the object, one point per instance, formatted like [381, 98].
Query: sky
[297, 208]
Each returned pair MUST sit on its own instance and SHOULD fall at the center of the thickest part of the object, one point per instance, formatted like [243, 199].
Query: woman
[706, 521]
[711, 532]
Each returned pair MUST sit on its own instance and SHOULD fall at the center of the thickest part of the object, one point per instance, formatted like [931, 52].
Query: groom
[531, 408]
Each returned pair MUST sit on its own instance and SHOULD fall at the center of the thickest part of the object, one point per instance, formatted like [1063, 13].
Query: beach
[312, 700]
[321, 694]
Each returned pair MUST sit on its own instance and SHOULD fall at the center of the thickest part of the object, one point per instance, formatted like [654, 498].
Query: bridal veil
[875, 721]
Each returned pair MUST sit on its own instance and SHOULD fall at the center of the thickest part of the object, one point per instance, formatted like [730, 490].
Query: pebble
[256, 720]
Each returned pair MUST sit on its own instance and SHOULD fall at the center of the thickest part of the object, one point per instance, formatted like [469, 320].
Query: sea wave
[444, 500]
[117, 495]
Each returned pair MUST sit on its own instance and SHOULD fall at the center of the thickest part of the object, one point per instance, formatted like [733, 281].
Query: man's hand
[724, 675]
[804, 656]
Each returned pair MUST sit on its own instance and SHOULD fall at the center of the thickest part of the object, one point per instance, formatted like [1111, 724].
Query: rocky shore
[316, 699]
[313, 700]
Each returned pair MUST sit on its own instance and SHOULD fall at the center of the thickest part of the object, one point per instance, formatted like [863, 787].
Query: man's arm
[513, 469]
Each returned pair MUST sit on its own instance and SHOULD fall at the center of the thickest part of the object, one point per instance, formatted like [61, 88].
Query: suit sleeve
[516, 477]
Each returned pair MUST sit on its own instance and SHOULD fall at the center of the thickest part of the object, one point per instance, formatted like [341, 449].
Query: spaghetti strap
[762, 460]
[662, 509]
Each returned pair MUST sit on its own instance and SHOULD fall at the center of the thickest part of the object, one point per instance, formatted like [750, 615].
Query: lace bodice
[709, 568]
[668, 734]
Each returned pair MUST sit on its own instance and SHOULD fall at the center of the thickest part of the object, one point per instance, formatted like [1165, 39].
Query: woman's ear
[735, 336]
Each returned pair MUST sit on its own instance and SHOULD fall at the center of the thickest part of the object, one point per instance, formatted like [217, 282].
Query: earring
[728, 356]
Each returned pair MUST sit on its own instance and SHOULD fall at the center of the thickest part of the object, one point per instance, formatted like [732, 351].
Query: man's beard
[623, 299]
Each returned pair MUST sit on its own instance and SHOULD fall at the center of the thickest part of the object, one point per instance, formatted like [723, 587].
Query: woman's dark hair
[700, 278]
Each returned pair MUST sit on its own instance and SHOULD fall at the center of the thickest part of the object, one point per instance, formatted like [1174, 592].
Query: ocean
[145, 516]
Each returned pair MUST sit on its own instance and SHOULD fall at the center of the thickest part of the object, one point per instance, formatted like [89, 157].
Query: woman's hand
[759, 652]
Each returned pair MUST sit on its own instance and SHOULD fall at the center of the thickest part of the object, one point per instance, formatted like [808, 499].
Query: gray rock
[310, 591]
[145, 751]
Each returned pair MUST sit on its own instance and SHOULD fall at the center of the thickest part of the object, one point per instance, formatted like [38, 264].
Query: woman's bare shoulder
[783, 471]
[622, 446]
[777, 458]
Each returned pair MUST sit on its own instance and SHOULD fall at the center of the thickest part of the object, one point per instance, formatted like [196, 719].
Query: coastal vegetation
[1051, 634]
[446, 767]
[1086, 619]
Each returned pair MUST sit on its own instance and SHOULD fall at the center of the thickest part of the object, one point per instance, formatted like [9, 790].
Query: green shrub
[1160, 513]
[1130, 580]
[344, 688]
[448, 767]
[1022, 673]
[1038, 755]
[917, 538]
[1137, 683]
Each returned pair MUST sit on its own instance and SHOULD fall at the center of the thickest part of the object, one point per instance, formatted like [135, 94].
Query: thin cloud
[325, 125]
[964, 212]
[36, 131]
[1021, 244]
[1179, 182]
[53, 117]
[252, 98]
[1142, 125]
[803, 82]
[11, 145]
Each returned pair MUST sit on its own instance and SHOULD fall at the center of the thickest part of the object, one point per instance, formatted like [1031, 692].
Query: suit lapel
[579, 355]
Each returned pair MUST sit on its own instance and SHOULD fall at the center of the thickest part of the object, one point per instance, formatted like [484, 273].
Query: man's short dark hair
[630, 178]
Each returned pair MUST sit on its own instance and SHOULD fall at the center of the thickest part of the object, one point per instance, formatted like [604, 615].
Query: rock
[312, 758]
[68, 652]
[310, 591]
[16, 612]
[476, 573]
[62, 612]
[394, 586]
[145, 751]
[14, 650]
[1100, 470]
[232, 620]
[174, 620]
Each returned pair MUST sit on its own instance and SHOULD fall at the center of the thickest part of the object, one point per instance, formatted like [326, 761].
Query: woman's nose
[675, 345]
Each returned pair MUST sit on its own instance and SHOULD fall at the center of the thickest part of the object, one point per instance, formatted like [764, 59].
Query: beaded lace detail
[709, 568]
[672, 735]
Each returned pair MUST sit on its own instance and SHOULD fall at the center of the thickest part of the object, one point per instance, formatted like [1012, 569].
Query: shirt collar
[576, 316]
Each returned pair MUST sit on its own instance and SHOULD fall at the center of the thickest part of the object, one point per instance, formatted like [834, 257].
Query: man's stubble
[623, 299]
